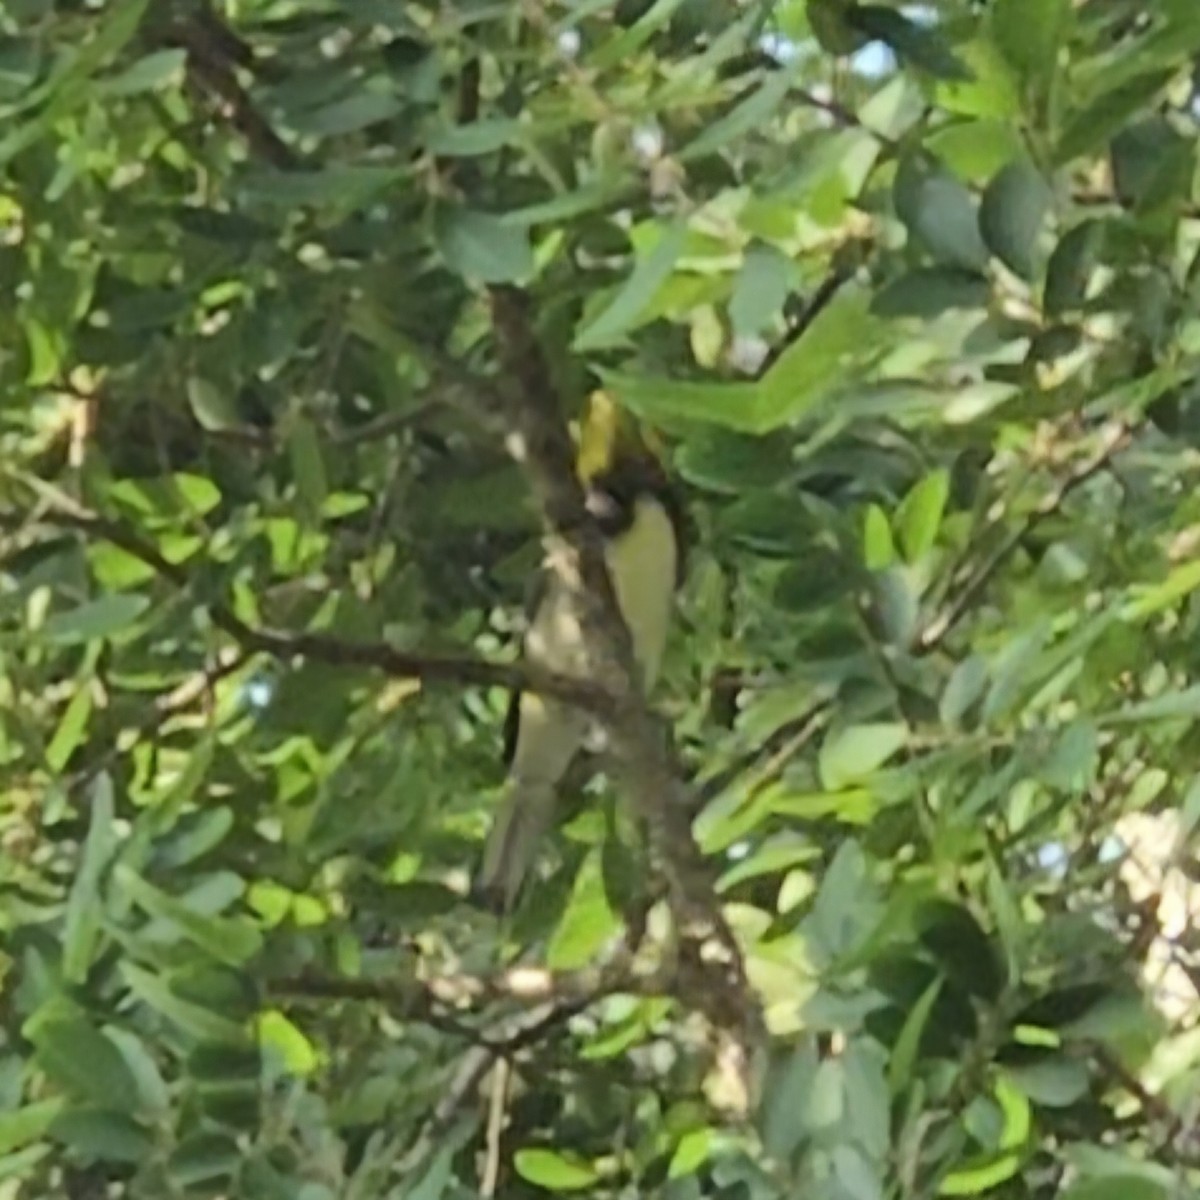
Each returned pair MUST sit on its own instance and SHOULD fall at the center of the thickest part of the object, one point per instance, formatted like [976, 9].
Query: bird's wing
[535, 594]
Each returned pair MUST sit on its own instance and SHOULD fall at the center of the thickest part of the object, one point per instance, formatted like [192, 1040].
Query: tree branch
[213, 55]
[537, 438]
[841, 270]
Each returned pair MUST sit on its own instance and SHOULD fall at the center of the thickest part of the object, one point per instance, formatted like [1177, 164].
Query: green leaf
[993, 92]
[939, 213]
[201, 1022]
[213, 407]
[920, 515]
[1091, 128]
[359, 110]
[554, 1171]
[908, 1042]
[632, 298]
[72, 728]
[1073, 761]
[759, 292]
[80, 1058]
[81, 926]
[588, 922]
[345, 186]
[1012, 214]
[821, 360]
[775, 855]
[586, 199]
[981, 1174]
[1150, 599]
[692, 1151]
[1070, 268]
[746, 116]
[482, 247]
[732, 405]
[964, 688]
[45, 353]
[197, 492]
[474, 138]
[1117, 1187]
[1018, 1119]
[308, 466]
[153, 1096]
[94, 619]
[1170, 706]
[879, 550]
[278, 1035]
[148, 74]
[930, 291]
[853, 754]
[195, 834]
[20, 1126]
[785, 1097]
[625, 42]
[1152, 163]
[1053, 1082]
[1029, 33]
[227, 939]
[103, 1136]
[826, 1107]
[203, 1157]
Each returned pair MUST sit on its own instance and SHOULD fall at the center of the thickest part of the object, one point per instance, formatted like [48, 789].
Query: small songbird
[642, 524]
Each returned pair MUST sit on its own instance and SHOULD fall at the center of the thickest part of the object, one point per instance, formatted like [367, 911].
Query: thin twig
[495, 1128]
[1177, 1134]
[840, 114]
[318, 647]
[1115, 438]
[767, 762]
[840, 272]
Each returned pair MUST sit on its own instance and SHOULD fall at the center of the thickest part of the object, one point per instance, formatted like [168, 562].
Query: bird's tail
[524, 817]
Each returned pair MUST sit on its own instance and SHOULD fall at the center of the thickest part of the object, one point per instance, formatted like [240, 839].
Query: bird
[642, 524]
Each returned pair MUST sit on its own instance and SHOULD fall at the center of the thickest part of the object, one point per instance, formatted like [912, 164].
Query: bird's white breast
[642, 567]
[641, 564]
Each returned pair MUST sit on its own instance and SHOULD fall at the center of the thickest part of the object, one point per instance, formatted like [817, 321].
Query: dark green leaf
[853, 754]
[98, 1134]
[483, 248]
[226, 939]
[1012, 215]
[621, 313]
[81, 930]
[1117, 1187]
[475, 138]
[1091, 128]
[931, 291]
[939, 213]
[920, 514]
[762, 287]
[80, 1058]
[588, 921]
[1070, 268]
[100, 618]
[1029, 33]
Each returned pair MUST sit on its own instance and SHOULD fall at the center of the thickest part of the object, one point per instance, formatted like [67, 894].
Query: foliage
[910, 295]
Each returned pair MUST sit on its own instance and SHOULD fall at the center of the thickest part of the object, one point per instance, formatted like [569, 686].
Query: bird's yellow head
[608, 435]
